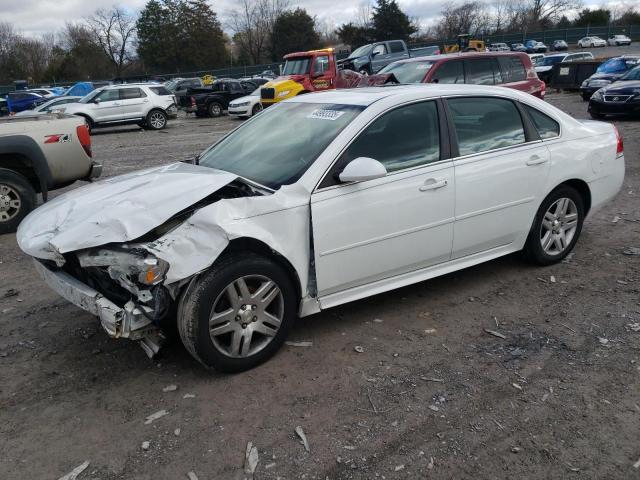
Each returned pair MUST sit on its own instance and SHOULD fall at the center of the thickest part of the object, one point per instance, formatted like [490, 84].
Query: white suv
[147, 105]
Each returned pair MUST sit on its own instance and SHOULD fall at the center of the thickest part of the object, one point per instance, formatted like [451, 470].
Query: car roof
[447, 56]
[138, 84]
[369, 95]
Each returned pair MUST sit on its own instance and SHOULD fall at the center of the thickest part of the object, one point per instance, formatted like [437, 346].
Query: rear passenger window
[403, 138]
[160, 90]
[483, 124]
[547, 127]
[396, 47]
[479, 72]
[130, 93]
[449, 72]
[512, 69]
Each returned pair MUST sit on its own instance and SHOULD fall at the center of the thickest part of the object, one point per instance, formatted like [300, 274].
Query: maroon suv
[508, 69]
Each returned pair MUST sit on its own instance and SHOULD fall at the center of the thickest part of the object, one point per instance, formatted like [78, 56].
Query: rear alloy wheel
[156, 120]
[17, 199]
[214, 109]
[239, 314]
[257, 108]
[556, 227]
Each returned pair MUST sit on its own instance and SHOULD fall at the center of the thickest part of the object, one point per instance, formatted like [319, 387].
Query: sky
[36, 17]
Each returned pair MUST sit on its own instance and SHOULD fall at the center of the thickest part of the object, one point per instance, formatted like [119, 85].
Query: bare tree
[468, 17]
[252, 24]
[114, 31]
[542, 13]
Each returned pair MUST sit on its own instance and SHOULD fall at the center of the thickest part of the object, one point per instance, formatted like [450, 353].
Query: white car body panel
[243, 111]
[368, 237]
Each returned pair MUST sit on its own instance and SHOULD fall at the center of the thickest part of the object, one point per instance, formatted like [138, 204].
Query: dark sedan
[619, 98]
[607, 73]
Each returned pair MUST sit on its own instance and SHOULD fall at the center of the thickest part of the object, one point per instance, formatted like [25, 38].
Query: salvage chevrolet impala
[346, 194]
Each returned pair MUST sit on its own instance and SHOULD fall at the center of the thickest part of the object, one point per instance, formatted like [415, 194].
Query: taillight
[620, 145]
[84, 137]
[193, 101]
[543, 90]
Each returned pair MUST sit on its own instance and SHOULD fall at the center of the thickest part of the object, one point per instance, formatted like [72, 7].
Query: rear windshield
[160, 90]
[548, 61]
[410, 72]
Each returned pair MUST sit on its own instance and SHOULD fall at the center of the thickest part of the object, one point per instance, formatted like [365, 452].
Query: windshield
[266, 151]
[296, 66]
[90, 96]
[410, 72]
[171, 85]
[613, 65]
[360, 52]
[632, 74]
[548, 61]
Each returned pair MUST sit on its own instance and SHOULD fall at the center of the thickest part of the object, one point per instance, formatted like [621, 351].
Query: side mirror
[361, 169]
[96, 100]
[373, 54]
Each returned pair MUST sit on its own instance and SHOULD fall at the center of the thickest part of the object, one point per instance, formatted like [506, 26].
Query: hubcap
[9, 203]
[215, 109]
[246, 316]
[559, 226]
[157, 120]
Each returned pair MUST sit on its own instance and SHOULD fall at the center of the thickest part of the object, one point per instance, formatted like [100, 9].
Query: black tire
[198, 301]
[257, 108]
[596, 116]
[533, 247]
[156, 120]
[14, 187]
[214, 109]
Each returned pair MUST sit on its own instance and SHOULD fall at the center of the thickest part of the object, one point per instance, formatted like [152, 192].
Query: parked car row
[534, 46]
[607, 73]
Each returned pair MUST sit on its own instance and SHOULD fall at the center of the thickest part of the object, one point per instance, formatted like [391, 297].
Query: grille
[268, 93]
[616, 98]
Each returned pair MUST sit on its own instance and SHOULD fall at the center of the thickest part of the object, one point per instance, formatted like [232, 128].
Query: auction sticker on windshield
[322, 114]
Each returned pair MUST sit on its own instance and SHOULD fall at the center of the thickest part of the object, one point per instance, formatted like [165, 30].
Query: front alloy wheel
[246, 316]
[239, 313]
[17, 199]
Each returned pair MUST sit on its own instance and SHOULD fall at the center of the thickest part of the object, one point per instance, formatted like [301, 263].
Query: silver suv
[144, 104]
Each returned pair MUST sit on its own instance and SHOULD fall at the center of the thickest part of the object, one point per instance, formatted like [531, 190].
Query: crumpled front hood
[117, 209]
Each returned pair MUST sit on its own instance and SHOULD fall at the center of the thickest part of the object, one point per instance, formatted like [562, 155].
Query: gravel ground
[431, 396]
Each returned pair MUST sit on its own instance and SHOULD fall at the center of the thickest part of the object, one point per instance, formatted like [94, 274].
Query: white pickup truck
[39, 154]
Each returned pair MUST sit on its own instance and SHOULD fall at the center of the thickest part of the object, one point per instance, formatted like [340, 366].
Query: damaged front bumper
[130, 322]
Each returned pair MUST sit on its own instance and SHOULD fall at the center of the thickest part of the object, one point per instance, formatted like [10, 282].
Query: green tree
[600, 16]
[355, 35]
[390, 23]
[293, 31]
[180, 35]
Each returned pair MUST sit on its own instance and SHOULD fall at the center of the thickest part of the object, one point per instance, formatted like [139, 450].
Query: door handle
[536, 160]
[432, 184]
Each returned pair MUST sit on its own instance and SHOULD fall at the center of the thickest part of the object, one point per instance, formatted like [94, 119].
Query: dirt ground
[432, 395]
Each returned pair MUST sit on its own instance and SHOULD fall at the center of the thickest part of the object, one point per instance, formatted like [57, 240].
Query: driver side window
[380, 49]
[109, 95]
[406, 137]
[321, 65]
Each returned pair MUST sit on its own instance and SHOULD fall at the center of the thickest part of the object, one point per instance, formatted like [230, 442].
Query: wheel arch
[583, 189]
[23, 155]
[244, 244]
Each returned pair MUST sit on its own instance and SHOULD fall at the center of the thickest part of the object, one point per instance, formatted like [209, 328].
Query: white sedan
[246, 106]
[318, 201]
[618, 40]
[591, 42]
